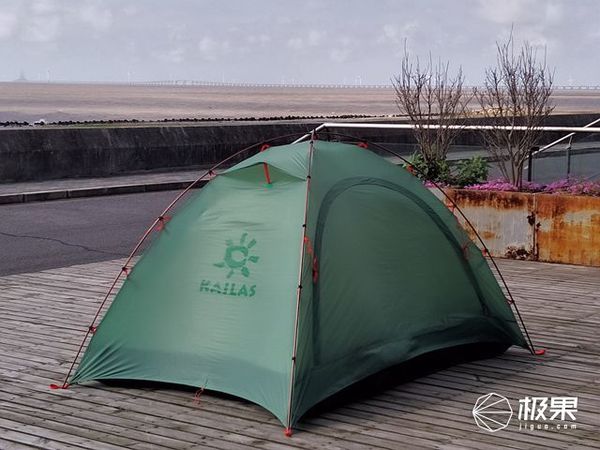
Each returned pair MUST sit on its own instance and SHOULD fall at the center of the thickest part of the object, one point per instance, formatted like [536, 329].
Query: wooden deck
[43, 317]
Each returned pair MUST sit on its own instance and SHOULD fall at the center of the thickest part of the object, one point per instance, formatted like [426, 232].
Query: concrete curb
[43, 196]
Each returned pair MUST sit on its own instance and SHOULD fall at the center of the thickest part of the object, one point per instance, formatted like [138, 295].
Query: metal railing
[581, 159]
[570, 152]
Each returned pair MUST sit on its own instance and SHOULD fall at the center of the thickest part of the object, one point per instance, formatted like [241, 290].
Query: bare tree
[516, 92]
[430, 95]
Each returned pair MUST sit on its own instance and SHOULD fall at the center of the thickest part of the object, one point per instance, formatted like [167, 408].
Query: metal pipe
[569, 156]
[570, 135]
[307, 135]
[410, 126]
[529, 164]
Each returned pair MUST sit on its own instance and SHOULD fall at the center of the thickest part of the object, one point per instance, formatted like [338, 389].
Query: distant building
[22, 78]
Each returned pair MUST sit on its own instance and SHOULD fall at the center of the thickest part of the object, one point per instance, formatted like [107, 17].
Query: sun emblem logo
[237, 256]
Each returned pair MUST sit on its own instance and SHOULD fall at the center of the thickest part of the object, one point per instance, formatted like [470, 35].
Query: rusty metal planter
[542, 227]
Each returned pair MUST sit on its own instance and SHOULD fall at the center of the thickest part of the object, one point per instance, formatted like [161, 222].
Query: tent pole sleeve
[299, 286]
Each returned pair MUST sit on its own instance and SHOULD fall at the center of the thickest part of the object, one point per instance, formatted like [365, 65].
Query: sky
[274, 41]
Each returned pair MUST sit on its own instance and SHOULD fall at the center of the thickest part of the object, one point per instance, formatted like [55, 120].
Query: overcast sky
[325, 41]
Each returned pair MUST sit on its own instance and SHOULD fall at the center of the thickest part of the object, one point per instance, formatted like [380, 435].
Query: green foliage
[466, 172]
[437, 170]
[471, 171]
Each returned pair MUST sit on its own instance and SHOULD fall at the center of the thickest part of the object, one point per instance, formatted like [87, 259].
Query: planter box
[540, 227]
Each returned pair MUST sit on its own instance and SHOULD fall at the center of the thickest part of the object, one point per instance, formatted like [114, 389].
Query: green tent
[294, 274]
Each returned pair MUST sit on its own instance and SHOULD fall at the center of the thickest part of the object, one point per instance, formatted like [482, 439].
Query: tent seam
[299, 288]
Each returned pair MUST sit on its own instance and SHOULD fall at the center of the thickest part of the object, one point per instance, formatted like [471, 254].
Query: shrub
[466, 172]
[436, 170]
[471, 171]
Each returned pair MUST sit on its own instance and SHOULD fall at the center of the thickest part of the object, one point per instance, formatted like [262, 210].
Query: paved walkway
[89, 187]
[36, 191]
[43, 317]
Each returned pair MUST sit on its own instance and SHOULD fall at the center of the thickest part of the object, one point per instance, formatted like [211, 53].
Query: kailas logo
[237, 256]
[237, 262]
[492, 412]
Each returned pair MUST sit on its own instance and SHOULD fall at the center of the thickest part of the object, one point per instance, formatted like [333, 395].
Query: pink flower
[493, 185]
[565, 186]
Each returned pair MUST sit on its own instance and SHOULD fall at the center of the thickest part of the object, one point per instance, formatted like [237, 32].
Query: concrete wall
[94, 151]
[50, 153]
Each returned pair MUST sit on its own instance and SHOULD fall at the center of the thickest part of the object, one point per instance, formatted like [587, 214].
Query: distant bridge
[589, 87]
[260, 85]
[313, 85]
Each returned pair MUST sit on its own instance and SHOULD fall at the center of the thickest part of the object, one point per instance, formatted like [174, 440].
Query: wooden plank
[43, 317]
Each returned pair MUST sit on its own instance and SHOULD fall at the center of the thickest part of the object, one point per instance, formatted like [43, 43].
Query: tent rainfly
[294, 274]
